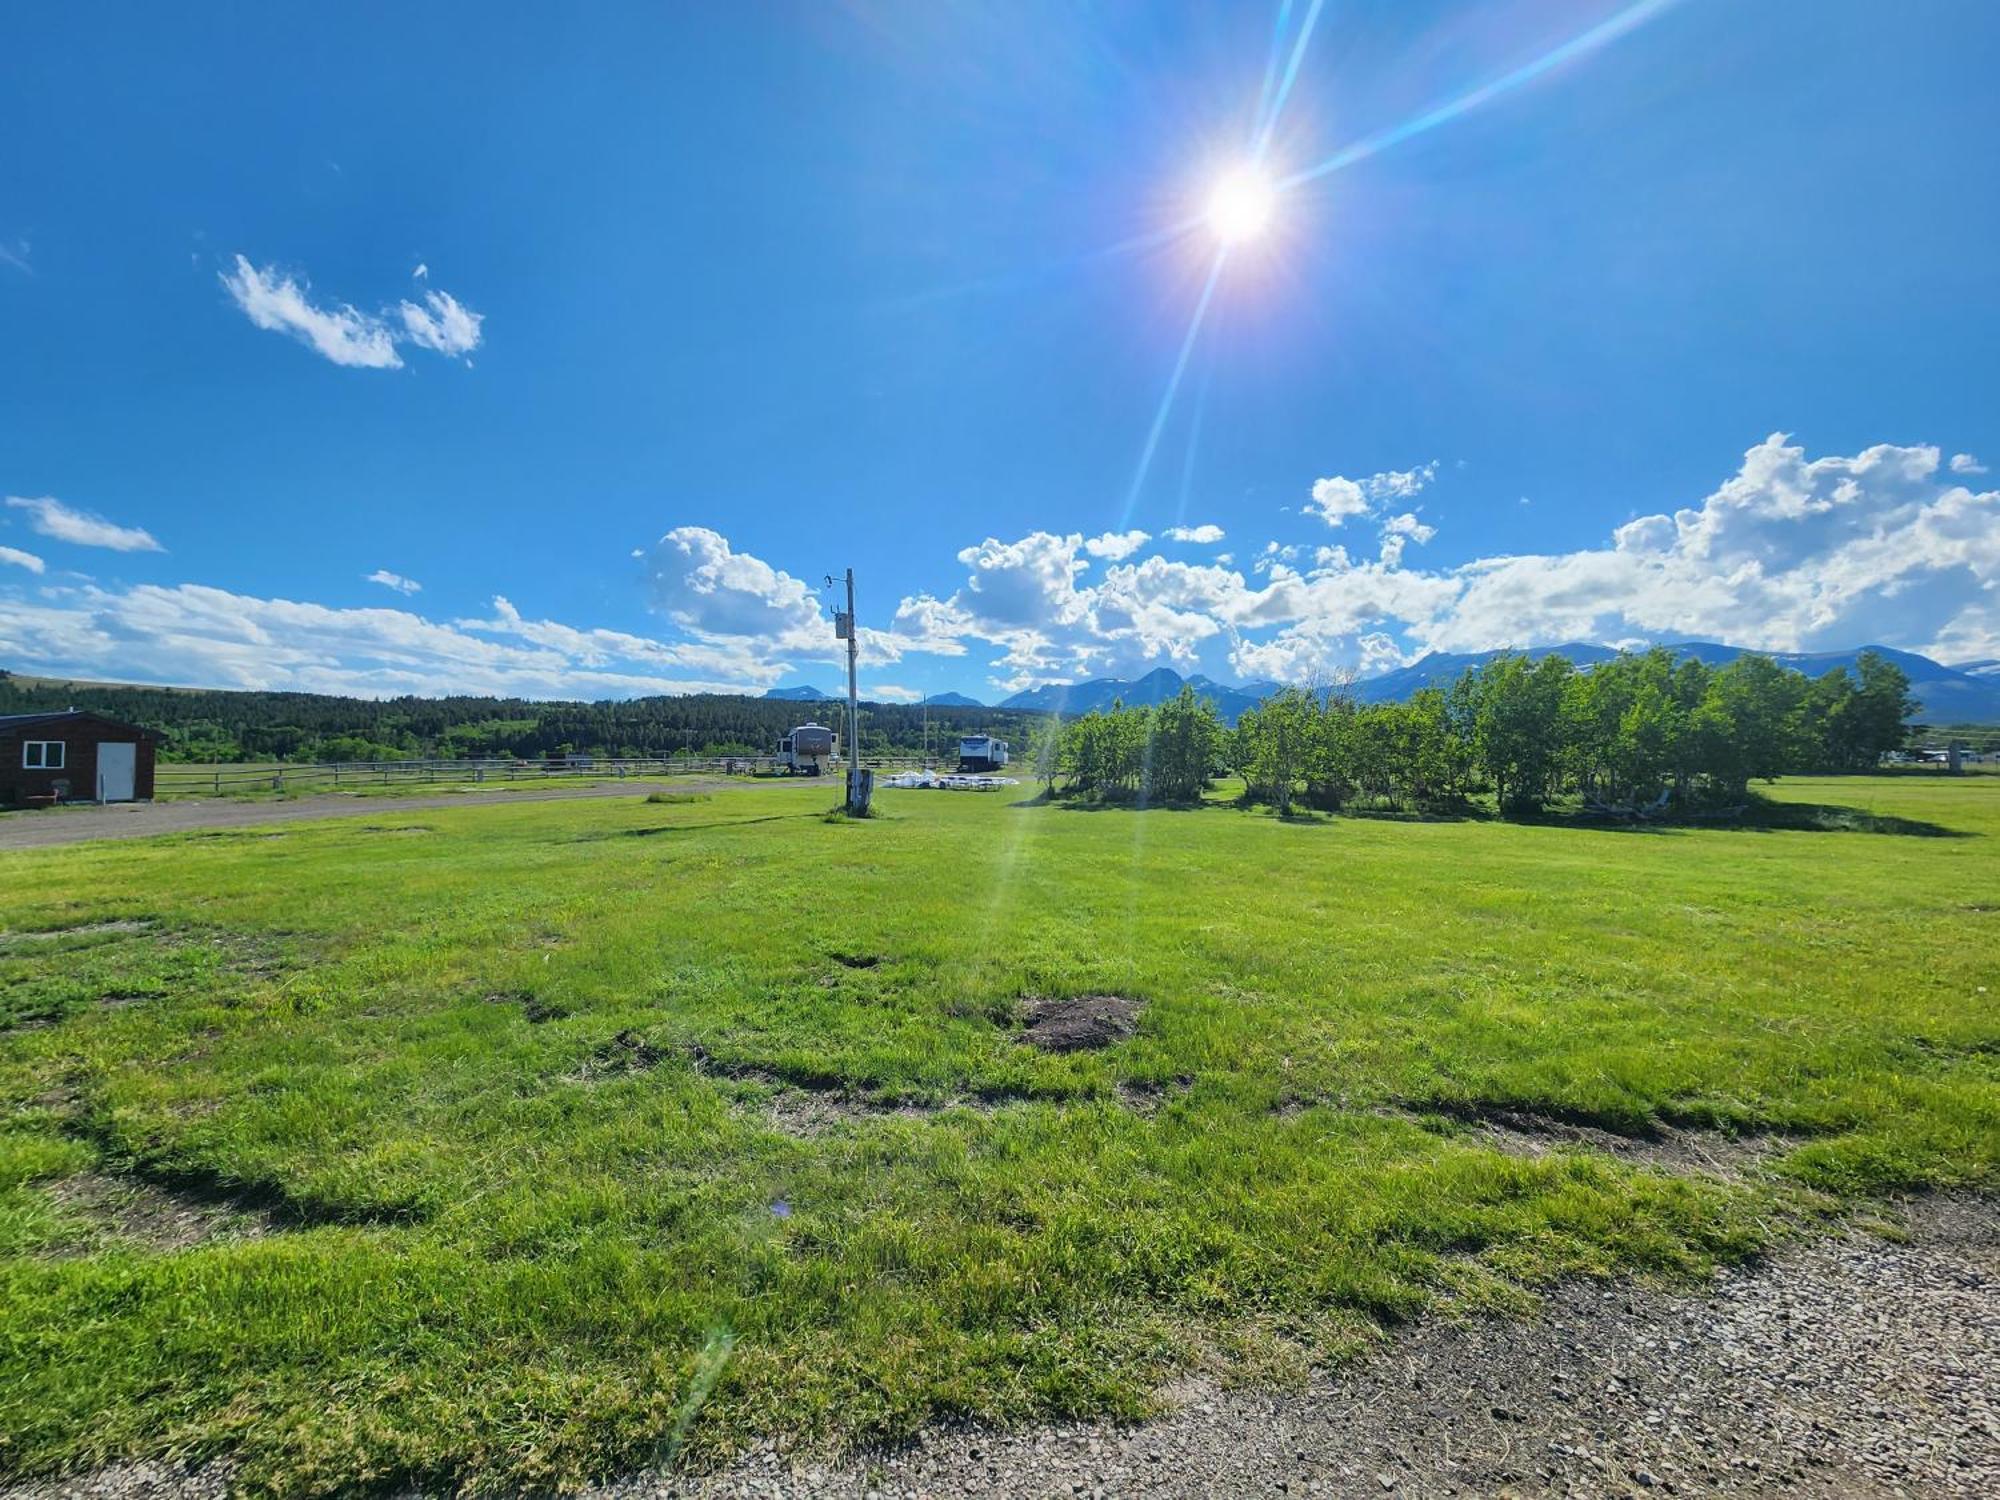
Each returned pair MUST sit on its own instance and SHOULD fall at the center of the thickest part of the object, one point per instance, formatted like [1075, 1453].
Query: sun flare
[1241, 205]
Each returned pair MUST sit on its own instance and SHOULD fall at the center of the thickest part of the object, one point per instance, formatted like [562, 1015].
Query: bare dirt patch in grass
[810, 1113]
[1147, 1097]
[627, 1052]
[1083, 1023]
[536, 1009]
[141, 1212]
[119, 927]
[1671, 1148]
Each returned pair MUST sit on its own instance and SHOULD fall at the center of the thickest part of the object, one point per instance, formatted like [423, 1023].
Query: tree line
[223, 725]
[1639, 733]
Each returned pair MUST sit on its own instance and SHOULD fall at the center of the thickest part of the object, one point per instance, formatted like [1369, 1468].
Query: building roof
[14, 723]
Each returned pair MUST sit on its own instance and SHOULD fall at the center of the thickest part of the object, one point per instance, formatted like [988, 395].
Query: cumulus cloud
[50, 517]
[195, 634]
[15, 557]
[707, 588]
[1206, 535]
[1025, 597]
[1117, 545]
[1398, 532]
[1890, 545]
[341, 332]
[1337, 498]
[1028, 584]
[395, 581]
[1790, 553]
[1965, 463]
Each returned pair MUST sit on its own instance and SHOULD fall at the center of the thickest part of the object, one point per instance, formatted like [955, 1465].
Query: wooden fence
[364, 775]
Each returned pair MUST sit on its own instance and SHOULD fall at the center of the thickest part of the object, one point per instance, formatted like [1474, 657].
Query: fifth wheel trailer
[806, 751]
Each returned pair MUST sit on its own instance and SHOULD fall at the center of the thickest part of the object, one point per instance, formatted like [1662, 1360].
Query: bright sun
[1240, 207]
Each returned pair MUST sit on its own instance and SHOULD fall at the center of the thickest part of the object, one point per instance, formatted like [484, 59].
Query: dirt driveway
[138, 820]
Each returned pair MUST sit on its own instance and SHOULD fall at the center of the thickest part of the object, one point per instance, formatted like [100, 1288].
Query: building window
[42, 755]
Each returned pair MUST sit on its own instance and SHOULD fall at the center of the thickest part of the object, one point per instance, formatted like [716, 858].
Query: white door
[117, 771]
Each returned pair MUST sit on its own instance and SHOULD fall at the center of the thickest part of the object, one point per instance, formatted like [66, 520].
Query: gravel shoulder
[1852, 1366]
[138, 820]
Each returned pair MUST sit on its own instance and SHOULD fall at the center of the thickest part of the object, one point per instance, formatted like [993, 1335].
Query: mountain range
[806, 693]
[1157, 686]
[1967, 694]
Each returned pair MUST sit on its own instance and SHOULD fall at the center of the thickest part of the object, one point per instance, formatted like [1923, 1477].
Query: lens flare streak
[1270, 121]
[1174, 383]
[1601, 35]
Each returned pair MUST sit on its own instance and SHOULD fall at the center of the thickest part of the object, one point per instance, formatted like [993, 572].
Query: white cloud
[1336, 498]
[343, 333]
[15, 254]
[1029, 584]
[52, 518]
[930, 625]
[15, 557]
[1115, 546]
[1400, 484]
[1398, 532]
[1965, 463]
[442, 324]
[1790, 553]
[422, 272]
[889, 692]
[190, 633]
[395, 581]
[704, 586]
[1205, 535]
[1274, 555]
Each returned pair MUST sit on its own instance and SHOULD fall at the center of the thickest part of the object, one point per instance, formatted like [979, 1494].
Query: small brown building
[74, 756]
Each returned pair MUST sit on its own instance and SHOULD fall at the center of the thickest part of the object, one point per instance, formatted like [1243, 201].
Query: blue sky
[1687, 328]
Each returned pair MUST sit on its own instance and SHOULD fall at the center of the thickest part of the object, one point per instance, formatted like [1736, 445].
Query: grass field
[508, 1145]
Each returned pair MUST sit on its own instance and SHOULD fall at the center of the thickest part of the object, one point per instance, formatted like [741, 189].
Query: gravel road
[138, 820]
[1851, 1366]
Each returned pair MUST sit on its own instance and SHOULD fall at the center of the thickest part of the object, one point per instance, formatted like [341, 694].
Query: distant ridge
[801, 694]
[1157, 686]
[952, 700]
[1967, 694]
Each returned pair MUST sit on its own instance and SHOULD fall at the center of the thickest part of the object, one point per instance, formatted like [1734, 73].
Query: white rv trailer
[981, 752]
[806, 751]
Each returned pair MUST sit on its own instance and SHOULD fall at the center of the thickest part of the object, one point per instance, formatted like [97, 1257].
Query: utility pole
[860, 783]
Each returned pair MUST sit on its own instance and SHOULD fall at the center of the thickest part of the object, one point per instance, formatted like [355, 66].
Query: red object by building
[74, 756]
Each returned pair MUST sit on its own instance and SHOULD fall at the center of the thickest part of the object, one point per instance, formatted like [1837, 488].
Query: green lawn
[511, 1144]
